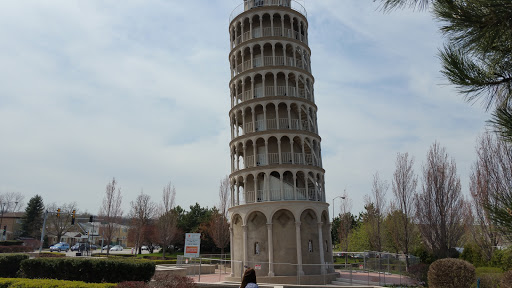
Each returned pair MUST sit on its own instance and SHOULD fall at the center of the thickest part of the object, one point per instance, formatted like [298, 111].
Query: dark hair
[249, 277]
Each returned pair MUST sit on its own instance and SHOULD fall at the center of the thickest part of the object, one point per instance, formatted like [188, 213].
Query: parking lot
[73, 253]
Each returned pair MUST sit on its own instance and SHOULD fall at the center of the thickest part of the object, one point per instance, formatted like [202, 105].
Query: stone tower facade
[279, 215]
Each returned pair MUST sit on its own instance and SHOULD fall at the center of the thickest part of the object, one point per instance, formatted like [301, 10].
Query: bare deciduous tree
[142, 211]
[404, 188]
[167, 220]
[58, 225]
[440, 206]
[111, 212]
[13, 201]
[490, 183]
[219, 226]
[377, 200]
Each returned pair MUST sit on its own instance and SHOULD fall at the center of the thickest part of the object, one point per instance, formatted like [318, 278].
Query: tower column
[321, 248]
[291, 149]
[278, 125]
[246, 244]
[231, 237]
[299, 248]
[281, 185]
[250, 31]
[245, 156]
[279, 151]
[256, 188]
[237, 192]
[243, 123]
[289, 116]
[294, 186]
[270, 251]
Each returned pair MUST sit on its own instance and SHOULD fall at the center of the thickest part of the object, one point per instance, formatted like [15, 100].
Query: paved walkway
[358, 278]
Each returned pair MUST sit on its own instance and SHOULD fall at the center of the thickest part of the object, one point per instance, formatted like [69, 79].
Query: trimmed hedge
[15, 249]
[47, 283]
[11, 243]
[10, 264]
[51, 255]
[506, 281]
[113, 255]
[88, 270]
[451, 273]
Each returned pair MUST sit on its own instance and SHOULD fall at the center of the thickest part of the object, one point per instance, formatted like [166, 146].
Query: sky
[138, 90]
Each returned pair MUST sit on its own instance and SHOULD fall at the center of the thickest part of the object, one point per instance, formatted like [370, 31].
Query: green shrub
[15, 249]
[51, 255]
[88, 270]
[488, 270]
[506, 280]
[11, 243]
[490, 280]
[10, 264]
[172, 281]
[133, 284]
[451, 273]
[46, 283]
[113, 255]
[419, 272]
[160, 262]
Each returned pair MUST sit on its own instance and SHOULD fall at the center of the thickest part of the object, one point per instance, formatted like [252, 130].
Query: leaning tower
[279, 215]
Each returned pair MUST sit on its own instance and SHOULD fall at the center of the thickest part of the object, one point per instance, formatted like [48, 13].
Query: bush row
[15, 249]
[10, 264]
[47, 283]
[168, 281]
[88, 270]
[11, 243]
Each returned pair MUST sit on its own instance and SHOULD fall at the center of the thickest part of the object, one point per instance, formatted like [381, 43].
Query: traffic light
[73, 217]
[90, 218]
[5, 230]
[58, 213]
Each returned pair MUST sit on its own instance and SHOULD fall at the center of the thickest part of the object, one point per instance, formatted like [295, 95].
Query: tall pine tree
[32, 221]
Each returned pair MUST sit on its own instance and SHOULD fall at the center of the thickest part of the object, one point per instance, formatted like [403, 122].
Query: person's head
[249, 277]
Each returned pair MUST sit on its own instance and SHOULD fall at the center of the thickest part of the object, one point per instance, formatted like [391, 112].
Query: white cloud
[138, 90]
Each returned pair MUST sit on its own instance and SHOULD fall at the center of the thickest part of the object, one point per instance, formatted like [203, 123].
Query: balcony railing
[269, 61]
[268, 32]
[272, 125]
[270, 92]
[287, 194]
[273, 159]
[250, 4]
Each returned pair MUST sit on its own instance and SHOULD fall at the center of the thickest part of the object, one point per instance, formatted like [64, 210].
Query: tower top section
[252, 4]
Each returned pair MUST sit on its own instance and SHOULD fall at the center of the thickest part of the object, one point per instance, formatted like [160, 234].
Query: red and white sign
[257, 267]
[192, 244]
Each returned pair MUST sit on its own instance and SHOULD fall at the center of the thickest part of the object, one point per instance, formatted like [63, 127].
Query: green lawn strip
[49, 283]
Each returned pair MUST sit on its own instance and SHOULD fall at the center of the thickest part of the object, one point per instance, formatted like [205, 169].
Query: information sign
[192, 244]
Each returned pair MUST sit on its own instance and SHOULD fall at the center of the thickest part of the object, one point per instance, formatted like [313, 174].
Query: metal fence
[358, 268]
[373, 268]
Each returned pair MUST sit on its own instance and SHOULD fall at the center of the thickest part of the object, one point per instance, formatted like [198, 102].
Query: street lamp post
[342, 197]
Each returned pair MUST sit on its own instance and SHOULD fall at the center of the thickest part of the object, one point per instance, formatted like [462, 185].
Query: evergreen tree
[32, 221]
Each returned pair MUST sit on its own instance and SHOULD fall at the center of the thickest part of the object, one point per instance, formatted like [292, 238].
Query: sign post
[192, 245]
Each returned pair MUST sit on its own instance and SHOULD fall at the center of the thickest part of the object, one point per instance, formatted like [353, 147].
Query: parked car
[83, 247]
[144, 248]
[116, 248]
[62, 246]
